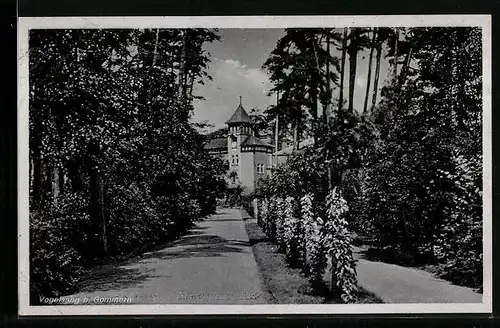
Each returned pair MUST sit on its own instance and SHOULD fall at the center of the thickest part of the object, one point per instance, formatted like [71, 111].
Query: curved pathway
[398, 284]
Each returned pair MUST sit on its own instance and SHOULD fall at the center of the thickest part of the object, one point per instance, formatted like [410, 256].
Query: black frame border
[8, 149]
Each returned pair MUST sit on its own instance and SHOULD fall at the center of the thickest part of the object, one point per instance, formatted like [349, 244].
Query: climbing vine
[337, 241]
[291, 230]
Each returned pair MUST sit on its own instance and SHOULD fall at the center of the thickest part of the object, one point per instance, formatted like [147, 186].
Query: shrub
[337, 240]
[280, 223]
[291, 230]
[316, 253]
[57, 239]
[307, 230]
[459, 244]
[272, 218]
[247, 203]
[263, 213]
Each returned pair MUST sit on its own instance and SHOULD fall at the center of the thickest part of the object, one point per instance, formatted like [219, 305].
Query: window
[234, 141]
[233, 176]
[260, 168]
[234, 159]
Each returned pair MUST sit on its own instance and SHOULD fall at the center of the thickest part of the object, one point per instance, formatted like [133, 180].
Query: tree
[369, 77]
[296, 72]
[357, 41]
[342, 68]
[380, 37]
[430, 123]
[104, 119]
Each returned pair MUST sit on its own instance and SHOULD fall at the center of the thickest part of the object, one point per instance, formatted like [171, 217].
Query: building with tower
[249, 157]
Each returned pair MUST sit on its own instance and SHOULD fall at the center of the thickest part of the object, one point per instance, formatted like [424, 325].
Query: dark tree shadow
[197, 230]
[114, 277]
[199, 240]
[393, 256]
[198, 246]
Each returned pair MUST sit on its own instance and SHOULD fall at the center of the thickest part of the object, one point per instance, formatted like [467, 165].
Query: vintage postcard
[255, 165]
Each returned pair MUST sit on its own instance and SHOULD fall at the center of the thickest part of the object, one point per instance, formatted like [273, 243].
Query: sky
[236, 69]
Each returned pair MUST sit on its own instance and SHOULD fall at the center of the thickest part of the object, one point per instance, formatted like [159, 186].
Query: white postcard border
[27, 23]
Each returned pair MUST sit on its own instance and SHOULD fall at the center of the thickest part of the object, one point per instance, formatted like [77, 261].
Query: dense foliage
[424, 179]
[310, 234]
[115, 164]
[409, 169]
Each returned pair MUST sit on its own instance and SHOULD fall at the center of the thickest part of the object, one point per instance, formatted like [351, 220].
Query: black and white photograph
[255, 165]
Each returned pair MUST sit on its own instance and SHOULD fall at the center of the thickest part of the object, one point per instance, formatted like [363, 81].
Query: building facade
[249, 157]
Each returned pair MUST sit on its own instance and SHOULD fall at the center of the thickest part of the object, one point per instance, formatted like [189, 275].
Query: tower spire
[240, 100]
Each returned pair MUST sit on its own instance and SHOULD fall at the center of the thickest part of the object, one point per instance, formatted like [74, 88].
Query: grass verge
[285, 284]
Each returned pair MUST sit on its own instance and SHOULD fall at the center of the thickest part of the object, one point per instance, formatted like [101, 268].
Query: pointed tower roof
[240, 116]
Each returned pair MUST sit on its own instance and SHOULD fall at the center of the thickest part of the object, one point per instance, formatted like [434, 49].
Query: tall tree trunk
[102, 205]
[155, 53]
[369, 78]
[276, 131]
[94, 209]
[342, 69]
[74, 175]
[315, 80]
[54, 184]
[191, 85]
[326, 108]
[404, 70]
[31, 172]
[37, 176]
[377, 74]
[353, 57]
[296, 134]
[182, 71]
[186, 84]
[172, 62]
[96, 186]
[98, 211]
[396, 42]
[314, 110]
[47, 182]
[62, 179]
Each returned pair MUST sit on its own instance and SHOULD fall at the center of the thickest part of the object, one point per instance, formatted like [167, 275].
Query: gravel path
[397, 284]
[213, 264]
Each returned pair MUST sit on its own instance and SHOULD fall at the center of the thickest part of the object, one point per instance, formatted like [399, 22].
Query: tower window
[260, 168]
[234, 159]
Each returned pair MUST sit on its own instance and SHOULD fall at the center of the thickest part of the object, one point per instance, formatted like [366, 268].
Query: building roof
[254, 141]
[218, 143]
[240, 116]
